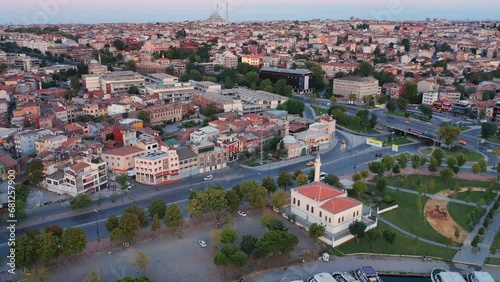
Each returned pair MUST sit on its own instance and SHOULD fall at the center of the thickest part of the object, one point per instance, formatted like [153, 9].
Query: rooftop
[123, 151]
[318, 191]
[290, 71]
[337, 205]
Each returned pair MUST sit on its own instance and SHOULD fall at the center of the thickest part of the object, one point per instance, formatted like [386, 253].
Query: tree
[388, 162]
[438, 154]
[357, 229]
[194, 206]
[433, 165]
[275, 242]
[450, 243]
[81, 201]
[402, 102]
[373, 120]
[405, 42]
[157, 207]
[293, 106]
[488, 129]
[228, 235]
[451, 163]
[483, 165]
[391, 106]
[48, 248]
[74, 241]
[129, 226]
[112, 223]
[415, 244]
[93, 277]
[173, 217]
[213, 201]
[142, 261]
[461, 160]
[389, 237]
[377, 168]
[248, 243]
[140, 213]
[233, 201]
[282, 88]
[359, 187]
[448, 133]
[279, 199]
[144, 116]
[26, 251]
[34, 171]
[156, 223]
[221, 260]
[426, 110]
[285, 179]
[364, 69]
[119, 45]
[402, 160]
[131, 65]
[476, 168]
[269, 184]
[316, 231]
[56, 229]
[133, 90]
[416, 162]
[447, 174]
[122, 179]
[301, 180]
[254, 194]
[373, 236]
[381, 184]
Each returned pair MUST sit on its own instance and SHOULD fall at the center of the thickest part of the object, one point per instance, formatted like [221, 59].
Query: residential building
[157, 168]
[452, 96]
[166, 112]
[172, 93]
[358, 86]
[119, 108]
[293, 147]
[430, 97]
[121, 81]
[226, 59]
[231, 146]
[188, 162]
[204, 86]
[301, 80]
[253, 60]
[207, 133]
[132, 122]
[7, 165]
[91, 82]
[24, 142]
[49, 143]
[122, 160]
[146, 142]
[210, 157]
[87, 176]
[123, 133]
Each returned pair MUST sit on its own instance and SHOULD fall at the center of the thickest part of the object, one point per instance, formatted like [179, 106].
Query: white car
[202, 243]
[208, 177]
[242, 213]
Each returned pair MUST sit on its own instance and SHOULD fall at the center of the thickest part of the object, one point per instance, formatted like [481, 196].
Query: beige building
[49, 143]
[253, 60]
[120, 81]
[430, 97]
[451, 96]
[210, 157]
[122, 160]
[293, 147]
[167, 112]
[358, 86]
[91, 82]
[158, 167]
[87, 176]
[94, 110]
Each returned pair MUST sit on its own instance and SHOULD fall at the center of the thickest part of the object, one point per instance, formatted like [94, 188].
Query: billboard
[395, 147]
[374, 142]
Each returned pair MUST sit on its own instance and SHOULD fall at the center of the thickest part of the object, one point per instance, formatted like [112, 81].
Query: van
[322, 176]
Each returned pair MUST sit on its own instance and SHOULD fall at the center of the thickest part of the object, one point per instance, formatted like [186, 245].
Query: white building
[173, 92]
[207, 133]
[430, 97]
[358, 86]
[91, 82]
[158, 167]
[121, 81]
[119, 108]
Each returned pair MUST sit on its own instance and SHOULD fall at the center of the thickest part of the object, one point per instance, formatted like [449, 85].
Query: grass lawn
[319, 111]
[496, 242]
[474, 197]
[407, 217]
[414, 180]
[403, 246]
[400, 141]
[494, 261]
[460, 212]
[470, 155]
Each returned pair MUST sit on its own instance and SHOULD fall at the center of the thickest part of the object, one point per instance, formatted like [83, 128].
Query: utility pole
[261, 146]
[97, 226]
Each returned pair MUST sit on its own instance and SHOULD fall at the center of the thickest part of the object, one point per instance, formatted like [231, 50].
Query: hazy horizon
[114, 11]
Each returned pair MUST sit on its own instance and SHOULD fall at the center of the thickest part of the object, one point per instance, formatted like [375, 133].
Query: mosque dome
[289, 139]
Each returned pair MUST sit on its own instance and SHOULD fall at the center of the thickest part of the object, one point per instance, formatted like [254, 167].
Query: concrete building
[122, 160]
[205, 86]
[121, 81]
[148, 143]
[430, 97]
[91, 82]
[293, 147]
[158, 167]
[49, 143]
[207, 133]
[210, 157]
[24, 142]
[86, 176]
[167, 112]
[358, 86]
[231, 146]
[226, 59]
[119, 108]
[94, 110]
[172, 93]
[301, 80]
[8, 164]
[132, 122]
[451, 96]
[188, 162]
[253, 60]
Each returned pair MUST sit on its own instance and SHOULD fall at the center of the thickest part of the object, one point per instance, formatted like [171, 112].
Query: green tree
[281, 88]
[359, 187]
[406, 43]
[81, 201]
[122, 180]
[248, 244]
[301, 180]
[483, 165]
[141, 214]
[157, 207]
[221, 260]
[447, 174]
[48, 248]
[488, 129]
[388, 162]
[133, 90]
[112, 223]
[285, 179]
[228, 235]
[391, 106]
[476, 168]
[433, 165]
[228, 82]
[402, 102]
[142, 261]
[173, 217]
[144, 116]
[461, 160]
[214, 201]
[131, 65]
[74, 241]
[194, 206]
[34, 171]
[410, 92]
[275, 243]
[448, 133]
[356, 177]
[316, 231]
[415, 244]
[254, 194]
[402, 160]
[233, 201]
[26, 251]
[128, 227]
[389, 237]
[381, 184]
[293, 106]
[357, 229]
[416, 162]
[279, 199]
[373, 236]
[269, 184]
[426, 110]
[377, 168]
[56, 229]
[119, 45]
[438, 154]
[156, 223]
[451, 163]
[364, 69]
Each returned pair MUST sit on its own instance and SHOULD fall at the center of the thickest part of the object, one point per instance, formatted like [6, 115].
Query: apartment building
[87, 176]
[121, 81]
[452, 96]
[230, 145]
[24, 142]
[49, 143]
[122, 160]
[358, 86]
[301, 80]
[204, 86]
[146, 142]
[207, 133]
[226, 59]
[157, 168]
[172, 93]
[210, 157]
[91, 82]
[119, 108]
[123, 133]
[188, 162]
[132, 122]
[429, 97]
[253, 60]
[167, 112]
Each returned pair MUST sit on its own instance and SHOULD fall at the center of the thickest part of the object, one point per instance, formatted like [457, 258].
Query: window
[312, 209]
[321, 214]
[342, 219]
[294, 201]
[307, 207]
[330, 220]
[353, 214]
[298, 203]
[339, 220]
[357, 213]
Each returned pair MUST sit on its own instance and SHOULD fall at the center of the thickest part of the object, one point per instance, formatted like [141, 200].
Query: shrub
[475, 241]
[387, 199]
[486, 223]
[481, 231]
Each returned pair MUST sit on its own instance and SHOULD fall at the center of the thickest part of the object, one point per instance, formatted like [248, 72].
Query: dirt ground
[443, 226]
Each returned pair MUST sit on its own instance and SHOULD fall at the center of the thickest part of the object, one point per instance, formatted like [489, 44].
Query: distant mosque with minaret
[216, 19]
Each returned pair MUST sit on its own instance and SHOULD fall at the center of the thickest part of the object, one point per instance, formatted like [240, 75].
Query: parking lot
[182, 259]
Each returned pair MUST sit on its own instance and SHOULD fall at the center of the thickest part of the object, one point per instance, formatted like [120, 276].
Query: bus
[447, 106]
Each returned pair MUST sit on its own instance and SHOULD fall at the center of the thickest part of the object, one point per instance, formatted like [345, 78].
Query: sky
[105, 11]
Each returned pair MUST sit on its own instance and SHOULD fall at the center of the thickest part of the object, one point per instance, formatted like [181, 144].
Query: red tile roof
[337, 205]
[319, 191]
[123, 151]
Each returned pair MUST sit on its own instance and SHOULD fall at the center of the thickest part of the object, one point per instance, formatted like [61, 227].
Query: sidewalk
[477, 258]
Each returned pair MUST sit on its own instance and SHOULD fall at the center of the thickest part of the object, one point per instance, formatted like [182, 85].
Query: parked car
[463, 142]
[242, 213]
[208, 177]
[202, 243]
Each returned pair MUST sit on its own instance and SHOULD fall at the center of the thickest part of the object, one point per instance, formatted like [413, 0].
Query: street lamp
[260, 176]
[97, 226]
[356, 162]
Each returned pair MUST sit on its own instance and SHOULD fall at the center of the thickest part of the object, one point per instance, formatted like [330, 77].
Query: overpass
[417, 131]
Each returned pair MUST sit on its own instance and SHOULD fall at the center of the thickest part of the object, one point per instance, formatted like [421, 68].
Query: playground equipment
[437, 213]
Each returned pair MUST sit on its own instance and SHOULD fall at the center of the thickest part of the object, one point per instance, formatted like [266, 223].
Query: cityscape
[258, 142]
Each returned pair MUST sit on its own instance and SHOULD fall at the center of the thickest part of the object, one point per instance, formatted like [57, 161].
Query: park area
[454, 151]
